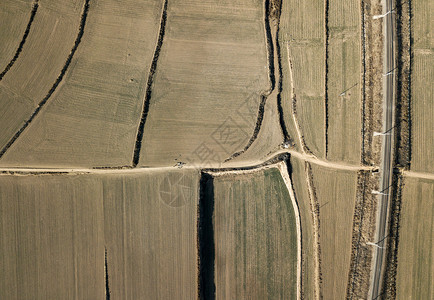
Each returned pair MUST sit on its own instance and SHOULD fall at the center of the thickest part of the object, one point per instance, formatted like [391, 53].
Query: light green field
[255, 237]
[55, 229]
[414, 279]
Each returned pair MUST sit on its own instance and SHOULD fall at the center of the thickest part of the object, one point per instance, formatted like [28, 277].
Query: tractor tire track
[23, 40]
[56, 83]
[148, 93]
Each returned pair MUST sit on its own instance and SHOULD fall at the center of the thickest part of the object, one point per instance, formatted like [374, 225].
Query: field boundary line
[58, 80]
[423, 175]
[23, 40]
[148, 93]
[326, 49]
[363, 79]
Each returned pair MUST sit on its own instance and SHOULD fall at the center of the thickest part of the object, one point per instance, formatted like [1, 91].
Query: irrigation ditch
[148, 93]
[271, 13]
[402, 138]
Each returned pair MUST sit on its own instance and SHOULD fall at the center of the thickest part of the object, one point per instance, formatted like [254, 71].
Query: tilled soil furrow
[23, 40]
[56, 83]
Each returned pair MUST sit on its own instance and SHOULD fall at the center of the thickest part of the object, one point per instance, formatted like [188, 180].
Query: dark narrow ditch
[255, 131]
[402, 144]
[270, 47]
[404, 45]
[206, 244]
[148, 93]
[107, 286]
[363, 40]
[23, 40]
[389, 279]
[56, 83]
[326, 79]
[280, 82]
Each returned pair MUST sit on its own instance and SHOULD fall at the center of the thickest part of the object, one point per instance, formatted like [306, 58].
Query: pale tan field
[37, 66]
[302, 45]
[92, 118]
[14, 16]
[414, 278]
[336, 194]
[344, 112]
[255, 237]
[55, 230]
[422, 91]
[213, 61]
[52, 243]
[150, 228]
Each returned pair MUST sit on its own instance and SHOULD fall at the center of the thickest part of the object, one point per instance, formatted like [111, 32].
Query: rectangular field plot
[336, 196]
[343, 82]
[52, 244]
[422, 93]
[255, 237]
[308, 74]
[344, 106]
[212, 63]
[62, 233]
[414, 279]
[303, 64]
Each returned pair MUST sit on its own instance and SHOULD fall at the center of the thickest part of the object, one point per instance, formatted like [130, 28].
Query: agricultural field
[336, 195]
[255, 237]
[85, 235]
[422, 117]
[415, 249]
[14, 17]
[92, 118]
[298, 176]
[214, 61]
[32, 75]
[343, 82]
[215, 149]
[303, 63]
